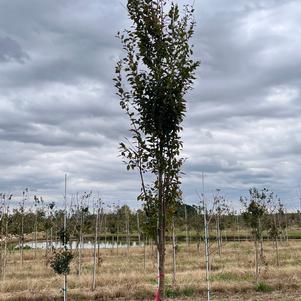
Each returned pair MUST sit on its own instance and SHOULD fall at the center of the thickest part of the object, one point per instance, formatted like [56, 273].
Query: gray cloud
[10, 50]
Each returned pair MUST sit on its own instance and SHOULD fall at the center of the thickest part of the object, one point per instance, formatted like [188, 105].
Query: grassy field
[122, 276]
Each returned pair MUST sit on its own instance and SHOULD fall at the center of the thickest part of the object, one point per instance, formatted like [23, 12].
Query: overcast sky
[59, 113]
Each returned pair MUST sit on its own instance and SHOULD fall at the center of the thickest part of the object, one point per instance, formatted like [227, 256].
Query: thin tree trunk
[105, 229]
[261, 242]
[128, 242]
[35, 236]
[238, 228]
[22, 235]
[218, 234]
[207, 255]
[277, 251]
[174, 264]
[79, 264]
[51, 242]
[100, 231]
[144, 247]
[256, 261]
[65, 287]
[261, 249]
[186, 227]
[98, 251]
[286, 226]
[206, 238]
[112, 249]
[161, 239]
[47, 246]
[5, 242]
[138, 228]
[117, 239]
[238, 240]
[65, 238]
[276, 237]
[95, 243]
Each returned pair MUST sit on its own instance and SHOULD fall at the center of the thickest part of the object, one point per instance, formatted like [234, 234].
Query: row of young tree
[87, 218]
[22, 223]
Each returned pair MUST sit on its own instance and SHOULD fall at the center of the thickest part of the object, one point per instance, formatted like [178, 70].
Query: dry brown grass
[122, 277]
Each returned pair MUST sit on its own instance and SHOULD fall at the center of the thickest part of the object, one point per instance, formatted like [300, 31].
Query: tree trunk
[5, 243]
[105, 229]
[65, 238]
[161, 276]
[51, 240]
[186, 228]
[128, 240]
[286, 227]
[261, 241]
[277, 251]
[218, 234]
[94, 255]
[117, 238]
[161, 239]
[65, 287]
[174, 264]
[47, 246]
[79, 264]
[35, 236]
[207, 255]
[206, 239]
[22, 237]
[138, 229]
[112, 248]
[256, 261]
[145, 243]
[276, 225]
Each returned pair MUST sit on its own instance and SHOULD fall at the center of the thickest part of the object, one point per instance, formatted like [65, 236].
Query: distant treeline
[123, 221]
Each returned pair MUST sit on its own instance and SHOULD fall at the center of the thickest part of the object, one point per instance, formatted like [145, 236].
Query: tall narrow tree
[159, 70]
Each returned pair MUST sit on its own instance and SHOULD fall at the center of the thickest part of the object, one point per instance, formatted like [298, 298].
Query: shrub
[61, 261]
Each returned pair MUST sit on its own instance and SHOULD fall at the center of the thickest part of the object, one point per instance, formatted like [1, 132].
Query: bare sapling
[274, 224]
[83, 211]
[206, 237]
[255, 209]
[98, 208]
[219, 208]
[212, 210]
[22, 210]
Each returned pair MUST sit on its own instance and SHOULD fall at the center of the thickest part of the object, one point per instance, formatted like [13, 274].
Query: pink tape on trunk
[157, 294]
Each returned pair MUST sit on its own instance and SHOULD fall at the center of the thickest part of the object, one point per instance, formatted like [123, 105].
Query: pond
[73, 245]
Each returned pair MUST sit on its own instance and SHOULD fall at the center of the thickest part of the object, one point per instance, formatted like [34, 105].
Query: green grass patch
[171, 292]
[153, 281]
[230, 276]
[263, 287]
